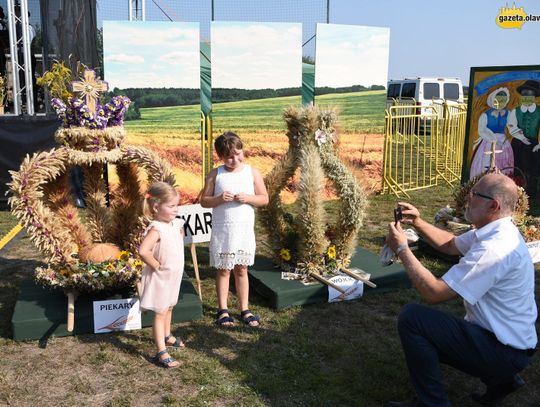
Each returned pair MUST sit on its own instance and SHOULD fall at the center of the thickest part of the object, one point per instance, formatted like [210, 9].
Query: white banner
[534, 251]
[198, 223]
[352, 287]
[116, 315]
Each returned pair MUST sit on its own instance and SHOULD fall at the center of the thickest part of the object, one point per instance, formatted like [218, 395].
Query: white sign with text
[352, 287]
[534, 250]
[198, 223]
[116, 315]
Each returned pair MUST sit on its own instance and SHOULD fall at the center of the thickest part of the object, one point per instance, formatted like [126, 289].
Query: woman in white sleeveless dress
[233, 190]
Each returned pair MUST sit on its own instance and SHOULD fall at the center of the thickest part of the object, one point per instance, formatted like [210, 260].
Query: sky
[256, 55]
[427, 38]
[445, 38]
[245, 55]
[151, 54]
[351, 55]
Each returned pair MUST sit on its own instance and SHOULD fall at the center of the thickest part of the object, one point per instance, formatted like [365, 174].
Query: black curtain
[70, 28]
[20, 136]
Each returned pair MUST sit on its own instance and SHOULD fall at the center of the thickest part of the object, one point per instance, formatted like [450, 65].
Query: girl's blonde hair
[158, 192]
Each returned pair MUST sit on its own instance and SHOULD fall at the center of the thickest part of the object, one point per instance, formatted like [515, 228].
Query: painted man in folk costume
[524, 120]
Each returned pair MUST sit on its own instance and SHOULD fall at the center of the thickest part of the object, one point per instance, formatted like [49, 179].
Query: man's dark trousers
[430, 337]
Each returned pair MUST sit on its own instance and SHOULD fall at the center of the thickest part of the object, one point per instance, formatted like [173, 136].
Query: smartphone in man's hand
[398, 215]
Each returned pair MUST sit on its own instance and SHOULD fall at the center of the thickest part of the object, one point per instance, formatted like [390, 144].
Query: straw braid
[26, 187]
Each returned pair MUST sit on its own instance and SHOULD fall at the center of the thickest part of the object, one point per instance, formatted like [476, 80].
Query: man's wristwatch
[400, 248]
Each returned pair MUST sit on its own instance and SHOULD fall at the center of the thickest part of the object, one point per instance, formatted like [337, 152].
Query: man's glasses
[474, 193]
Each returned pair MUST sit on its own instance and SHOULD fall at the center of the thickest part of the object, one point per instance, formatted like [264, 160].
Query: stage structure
[20, 58]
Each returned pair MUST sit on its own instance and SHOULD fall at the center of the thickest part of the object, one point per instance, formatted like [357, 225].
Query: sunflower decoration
[285, 255]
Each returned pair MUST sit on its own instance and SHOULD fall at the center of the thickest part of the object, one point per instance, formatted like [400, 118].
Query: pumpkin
[99, 252]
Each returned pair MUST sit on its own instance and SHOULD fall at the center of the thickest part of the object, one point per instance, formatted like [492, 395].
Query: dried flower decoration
[84, 110]
[320, 137]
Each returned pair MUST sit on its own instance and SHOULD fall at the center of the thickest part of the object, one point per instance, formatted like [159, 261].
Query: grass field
[340, 354]
[361, 112]
[173, 132]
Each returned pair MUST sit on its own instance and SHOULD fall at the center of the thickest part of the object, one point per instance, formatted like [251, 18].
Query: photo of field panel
[351, 72]
[261, 62]
[157, 65]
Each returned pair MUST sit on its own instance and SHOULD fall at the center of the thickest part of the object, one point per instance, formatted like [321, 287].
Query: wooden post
[71, 295]
[325, 281]
[196, 268]
[357, 277]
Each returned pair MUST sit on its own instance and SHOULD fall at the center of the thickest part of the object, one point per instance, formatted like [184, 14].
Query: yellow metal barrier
[452, 141]
[206, 145]
[422, 145]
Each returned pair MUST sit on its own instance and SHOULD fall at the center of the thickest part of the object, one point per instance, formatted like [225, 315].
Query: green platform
[265, 278]
[40, 313]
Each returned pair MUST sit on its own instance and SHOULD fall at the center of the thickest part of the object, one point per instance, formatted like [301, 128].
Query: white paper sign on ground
[353, 288]
[198, 223]
[116, 315]
[534, 250]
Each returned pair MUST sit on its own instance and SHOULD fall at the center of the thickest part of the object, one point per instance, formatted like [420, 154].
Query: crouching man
[495, 278]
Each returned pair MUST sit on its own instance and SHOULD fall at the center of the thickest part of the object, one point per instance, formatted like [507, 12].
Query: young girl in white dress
[162, 250]
[233, 189]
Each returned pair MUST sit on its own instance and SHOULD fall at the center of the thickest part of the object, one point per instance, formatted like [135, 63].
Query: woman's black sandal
[178, 343]
[167, 362]
[249, 319]
[224, 320]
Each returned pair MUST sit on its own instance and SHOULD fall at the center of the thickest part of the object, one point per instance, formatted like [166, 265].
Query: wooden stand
[323, 280]
[357, 277]
[196, 268]
[72, 296]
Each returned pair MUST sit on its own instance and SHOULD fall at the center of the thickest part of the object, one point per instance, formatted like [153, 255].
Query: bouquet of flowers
[76, 112]
[84, 110]
[288, 254]
[530, 228]
[122, 272]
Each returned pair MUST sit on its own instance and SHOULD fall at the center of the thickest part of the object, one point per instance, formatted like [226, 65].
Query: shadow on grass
[345, 354]
[12, 273]
[327, 354]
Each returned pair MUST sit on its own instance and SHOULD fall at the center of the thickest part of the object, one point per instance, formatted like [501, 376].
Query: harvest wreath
[305, 243]
[99, 253]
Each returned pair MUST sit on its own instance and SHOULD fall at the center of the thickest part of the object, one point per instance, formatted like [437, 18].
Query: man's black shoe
[411, 403]
[496, 393]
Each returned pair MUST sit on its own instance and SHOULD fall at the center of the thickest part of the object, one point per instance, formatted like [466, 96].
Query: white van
[423, 92]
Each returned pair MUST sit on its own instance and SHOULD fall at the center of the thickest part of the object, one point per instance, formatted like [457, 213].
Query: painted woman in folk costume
[491, 125]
